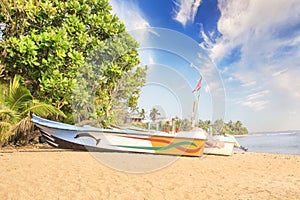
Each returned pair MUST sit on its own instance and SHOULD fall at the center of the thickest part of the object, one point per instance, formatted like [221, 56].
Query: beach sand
[55, 174]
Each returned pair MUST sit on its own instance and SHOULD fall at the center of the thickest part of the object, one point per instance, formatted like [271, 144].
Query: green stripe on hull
[159, 148]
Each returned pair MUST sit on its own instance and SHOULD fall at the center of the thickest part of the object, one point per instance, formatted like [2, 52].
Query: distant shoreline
[271, 132]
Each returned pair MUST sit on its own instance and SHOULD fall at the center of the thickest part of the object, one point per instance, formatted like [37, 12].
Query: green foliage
[154, 113]
[220, 127]
[185, 125]
[47, 42]
[217, 127]
[108, 84]
[205, 125]
[16, 104]
[143, 113]
[127, 93]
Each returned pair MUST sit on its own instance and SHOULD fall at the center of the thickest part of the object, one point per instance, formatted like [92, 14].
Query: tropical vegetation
[221, 127]
[71, 61]
[154, 114]
[74, 56]
[218, 127]
[16, 105]
[49, 43]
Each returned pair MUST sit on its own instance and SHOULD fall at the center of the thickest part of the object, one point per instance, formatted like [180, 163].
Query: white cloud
[267, 35]
[278, 73]
[288, 82]
[249, 84]
[256, 105]
[137, 25]
[211, 76]
[207, 41]
[186, 10]
[258, 95]
[230, 78]
[256, 101]
[130, 14]
[255, 25]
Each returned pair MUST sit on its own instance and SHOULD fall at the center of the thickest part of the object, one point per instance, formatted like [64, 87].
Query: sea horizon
[278, 142]
[277, 131]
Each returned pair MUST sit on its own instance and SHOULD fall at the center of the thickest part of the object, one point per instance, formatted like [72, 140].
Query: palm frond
[15, 83]
[42, 109]
[20, 98]
[9, 115]
[5, 130]
[6, 112]
[3, 89]
[17, 96]
[5, 124]
[22, 126]
[2, 68]
[16, 103]
[22, 132]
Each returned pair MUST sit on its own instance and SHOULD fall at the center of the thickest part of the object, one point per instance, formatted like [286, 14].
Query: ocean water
[275, 142]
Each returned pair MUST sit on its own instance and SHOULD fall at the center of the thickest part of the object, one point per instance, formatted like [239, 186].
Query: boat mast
[195, 110]
[195, 106]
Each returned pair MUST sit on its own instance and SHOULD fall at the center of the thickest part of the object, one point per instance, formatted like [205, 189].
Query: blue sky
[248, 54]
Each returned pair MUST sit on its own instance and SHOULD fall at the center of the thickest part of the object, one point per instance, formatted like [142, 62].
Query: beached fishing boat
[123, 140]
[222, 145]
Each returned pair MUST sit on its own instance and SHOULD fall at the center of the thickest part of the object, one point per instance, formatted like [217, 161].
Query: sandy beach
[54, 174]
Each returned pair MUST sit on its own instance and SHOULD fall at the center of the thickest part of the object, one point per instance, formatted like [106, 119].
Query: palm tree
[205, 125]
[217, 126]
[225, 129]
[143, 113]
[153, 114]
[238, 127]
[16, 105]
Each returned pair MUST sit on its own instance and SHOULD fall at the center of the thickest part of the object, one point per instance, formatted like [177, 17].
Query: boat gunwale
[47, 123]
[107, 131]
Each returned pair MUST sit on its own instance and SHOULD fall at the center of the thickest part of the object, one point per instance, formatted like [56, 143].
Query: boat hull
[224, 151]
[229, 144]
[94, 139]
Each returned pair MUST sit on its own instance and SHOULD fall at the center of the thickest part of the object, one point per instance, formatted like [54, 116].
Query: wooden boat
[228, 144]
[96, 139]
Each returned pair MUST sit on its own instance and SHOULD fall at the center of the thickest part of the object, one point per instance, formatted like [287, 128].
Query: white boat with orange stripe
[122, 140]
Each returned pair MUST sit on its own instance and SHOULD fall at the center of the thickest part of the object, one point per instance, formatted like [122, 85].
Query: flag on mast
[198, 87]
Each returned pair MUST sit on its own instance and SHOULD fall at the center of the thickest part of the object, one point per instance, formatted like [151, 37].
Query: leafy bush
[47, 43]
